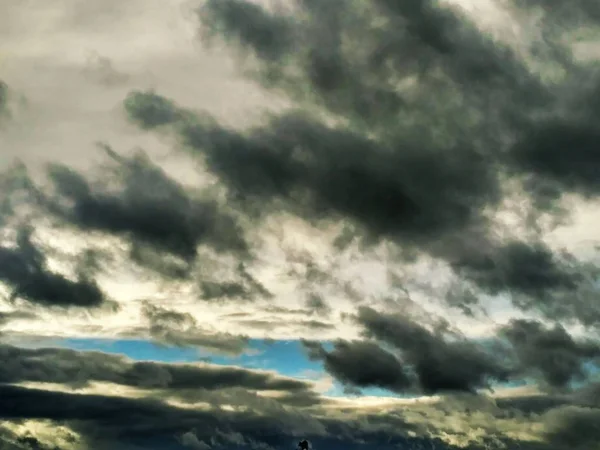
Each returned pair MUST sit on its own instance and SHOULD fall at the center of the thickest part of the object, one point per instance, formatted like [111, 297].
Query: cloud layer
[400, 184]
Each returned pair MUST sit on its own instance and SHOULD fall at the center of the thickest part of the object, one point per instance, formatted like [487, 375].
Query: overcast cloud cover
[407, 188]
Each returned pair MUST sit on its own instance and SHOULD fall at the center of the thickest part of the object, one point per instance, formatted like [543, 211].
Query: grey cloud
[288, 311]
[312, 169]
[530, 405]
[433, 361]
[150, 423]
[243, 286]
[182, 329]
[146, 205]
[100, 69]
[134, 423]
[404, 169]
[190, 440]
[531, 269]
[3, 98]
[11, 440]
[316, 171]
[212, 290]
[317, 304]
[439, 364]
[9, 316]
[361, 364]
[426, 117]
[52, 365]
[24, 269]
[404, 192]
[573, 427]
[316, 324]
[542, 154]
[269, 35]
[552, 351]
[149, 110]
[588, 395]
[270, 323]
[579, 11]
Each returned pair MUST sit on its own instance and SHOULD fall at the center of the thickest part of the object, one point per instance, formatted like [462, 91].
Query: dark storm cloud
[552, 351]
[182, 329]
[361, 364]
[24, 269]
[137, 199]
[439, 364]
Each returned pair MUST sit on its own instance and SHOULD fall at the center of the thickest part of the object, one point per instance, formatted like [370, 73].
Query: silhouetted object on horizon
[303, 445]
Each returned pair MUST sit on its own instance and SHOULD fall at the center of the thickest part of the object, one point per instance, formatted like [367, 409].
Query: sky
[237, 224]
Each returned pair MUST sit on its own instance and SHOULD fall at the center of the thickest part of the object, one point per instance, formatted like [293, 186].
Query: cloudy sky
[232, 224]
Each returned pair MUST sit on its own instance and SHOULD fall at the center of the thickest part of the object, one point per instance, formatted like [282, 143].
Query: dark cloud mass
[322, 172]
[361, 364]
[407, 183]
[23, 268]
[529, 269]
[50, 365]
[147, 205]
[439, 364]
[420, 360]
[552, 351]
[430, 173]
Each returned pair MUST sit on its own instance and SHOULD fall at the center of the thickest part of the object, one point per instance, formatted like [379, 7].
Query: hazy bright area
[231, 224]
